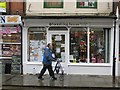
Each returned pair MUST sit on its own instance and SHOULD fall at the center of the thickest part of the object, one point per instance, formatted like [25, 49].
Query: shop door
[59, 41]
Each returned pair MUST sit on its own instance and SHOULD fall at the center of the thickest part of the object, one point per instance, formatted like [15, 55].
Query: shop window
[37, 42]
[89, 46]
[10, 48]
[53, 3]
[10, 41]
[99, 45]
[87, 4]
[78, 45]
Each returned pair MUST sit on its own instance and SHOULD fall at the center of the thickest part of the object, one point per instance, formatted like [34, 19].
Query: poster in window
[3, 6]
[36, 50]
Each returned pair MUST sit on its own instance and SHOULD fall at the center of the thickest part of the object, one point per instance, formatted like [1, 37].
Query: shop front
[10, 44]
[83, 44]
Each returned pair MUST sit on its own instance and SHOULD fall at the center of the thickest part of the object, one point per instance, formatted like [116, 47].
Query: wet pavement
[71, 82]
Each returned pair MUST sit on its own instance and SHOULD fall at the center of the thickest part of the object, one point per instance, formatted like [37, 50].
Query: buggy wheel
[61, 76]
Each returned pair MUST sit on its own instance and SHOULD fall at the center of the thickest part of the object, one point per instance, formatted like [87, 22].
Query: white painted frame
[49, 40]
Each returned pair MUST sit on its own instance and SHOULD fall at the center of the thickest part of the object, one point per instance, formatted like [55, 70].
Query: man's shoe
[40, 78]
[54, 78]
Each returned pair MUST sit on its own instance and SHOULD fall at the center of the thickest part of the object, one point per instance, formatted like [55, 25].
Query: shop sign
[9, 30]
[68, 24]
[10, 19]
[2, 6]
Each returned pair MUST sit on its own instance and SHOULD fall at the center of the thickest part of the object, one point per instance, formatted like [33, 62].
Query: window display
[95, 39]
[10, 41]
[10, 47]
[97, 46]
[37, 42]
[78, 44]
[10, 34]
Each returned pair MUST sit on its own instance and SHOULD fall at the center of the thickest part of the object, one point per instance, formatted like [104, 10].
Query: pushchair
[59, 69]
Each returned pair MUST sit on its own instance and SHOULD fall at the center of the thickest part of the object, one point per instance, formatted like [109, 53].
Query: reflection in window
[37, 42]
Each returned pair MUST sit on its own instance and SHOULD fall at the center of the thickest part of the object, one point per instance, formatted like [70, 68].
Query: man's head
[49, 45]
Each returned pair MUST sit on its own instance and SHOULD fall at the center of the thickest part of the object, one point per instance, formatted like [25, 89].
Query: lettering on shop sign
[2, 19]
[58, 24]
[67, 24]
[8, 30]
[12, 19]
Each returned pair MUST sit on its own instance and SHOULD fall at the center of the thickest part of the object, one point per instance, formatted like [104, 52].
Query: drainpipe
[113, 7]
[114, 58]
[21, 64]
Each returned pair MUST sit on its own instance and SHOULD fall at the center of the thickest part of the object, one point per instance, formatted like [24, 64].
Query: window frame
[107, 32]
[46, 6]
[78, 5]
[28, 36]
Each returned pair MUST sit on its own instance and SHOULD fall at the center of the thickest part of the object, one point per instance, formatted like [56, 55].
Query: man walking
[47, 62]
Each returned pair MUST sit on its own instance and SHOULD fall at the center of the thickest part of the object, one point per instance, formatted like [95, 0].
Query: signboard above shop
[10, 19]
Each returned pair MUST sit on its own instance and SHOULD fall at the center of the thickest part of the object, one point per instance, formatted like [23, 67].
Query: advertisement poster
[2, 6]
[36, 50]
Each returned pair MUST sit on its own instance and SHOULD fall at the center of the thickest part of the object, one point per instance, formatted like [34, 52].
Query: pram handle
[57, 59]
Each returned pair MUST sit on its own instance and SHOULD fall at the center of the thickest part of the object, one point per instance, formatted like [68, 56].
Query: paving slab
[70, 81]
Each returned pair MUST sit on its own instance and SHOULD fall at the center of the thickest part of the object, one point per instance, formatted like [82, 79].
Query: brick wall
[14, 8]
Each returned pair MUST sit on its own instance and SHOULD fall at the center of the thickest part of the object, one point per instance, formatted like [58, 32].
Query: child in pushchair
[59, 69]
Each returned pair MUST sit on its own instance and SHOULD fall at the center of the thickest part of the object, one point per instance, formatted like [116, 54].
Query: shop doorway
[59, 40]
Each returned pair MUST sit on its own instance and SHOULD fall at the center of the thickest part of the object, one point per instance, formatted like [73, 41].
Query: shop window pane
[87, 4]
[53, 3]
[99, 46]
[89, 46]
[10, 34]
[10, 41]
[78, 45]
[37, 42]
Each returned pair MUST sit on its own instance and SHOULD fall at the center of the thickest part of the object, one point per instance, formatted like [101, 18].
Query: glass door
[60, 46]
[58, 42]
